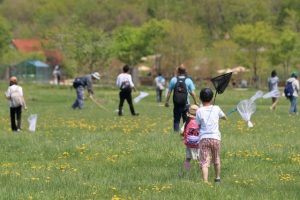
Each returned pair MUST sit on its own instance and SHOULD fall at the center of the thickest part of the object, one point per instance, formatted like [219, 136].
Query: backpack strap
[181, 78]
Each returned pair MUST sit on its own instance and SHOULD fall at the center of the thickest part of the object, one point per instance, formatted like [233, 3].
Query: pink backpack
[192, 134]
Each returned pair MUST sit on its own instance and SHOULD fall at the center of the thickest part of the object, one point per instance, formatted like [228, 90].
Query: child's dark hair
[273, 73]
[206, 95]
[125, 68]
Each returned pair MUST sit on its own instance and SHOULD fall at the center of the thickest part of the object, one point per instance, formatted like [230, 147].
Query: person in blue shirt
[160, 86]
[180, 110]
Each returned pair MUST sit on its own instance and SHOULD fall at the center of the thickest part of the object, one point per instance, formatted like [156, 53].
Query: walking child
[208, 117]
[273, 85]
[191, 134]
[160, 86]
[124, 82]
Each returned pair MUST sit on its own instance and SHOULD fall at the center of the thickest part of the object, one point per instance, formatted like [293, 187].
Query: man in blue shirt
[180, 110]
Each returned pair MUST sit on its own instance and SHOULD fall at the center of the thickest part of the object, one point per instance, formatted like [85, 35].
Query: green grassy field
[94, 154]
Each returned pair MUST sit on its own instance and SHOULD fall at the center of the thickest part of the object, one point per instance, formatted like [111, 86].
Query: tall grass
[94, 154]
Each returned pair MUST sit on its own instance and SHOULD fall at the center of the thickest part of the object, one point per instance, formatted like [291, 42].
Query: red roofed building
[54, 56]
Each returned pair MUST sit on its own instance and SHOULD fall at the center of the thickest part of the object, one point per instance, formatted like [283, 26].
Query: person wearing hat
[207, 116]
[125, 84]
[79, 84]
[14, 94]
[191, 133]
[180, 82]
[294, 98]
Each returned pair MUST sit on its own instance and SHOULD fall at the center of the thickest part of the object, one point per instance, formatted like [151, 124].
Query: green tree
[132, 43]
[181, 44]
[224, 52]
[5, 36]
[285, 50]
[89, 47]
[254, 39]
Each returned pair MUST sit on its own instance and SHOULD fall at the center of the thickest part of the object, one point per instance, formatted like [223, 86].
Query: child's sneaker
[217, 180]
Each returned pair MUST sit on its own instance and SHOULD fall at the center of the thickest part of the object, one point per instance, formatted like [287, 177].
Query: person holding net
[208, 117]
[273, 85]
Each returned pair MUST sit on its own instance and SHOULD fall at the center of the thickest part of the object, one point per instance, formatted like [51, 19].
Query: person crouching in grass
[207, 116]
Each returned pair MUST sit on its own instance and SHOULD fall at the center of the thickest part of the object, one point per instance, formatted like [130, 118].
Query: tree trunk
[135, 76]
[255, 76]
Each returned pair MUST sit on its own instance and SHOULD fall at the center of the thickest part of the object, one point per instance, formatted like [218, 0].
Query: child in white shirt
[208, 117]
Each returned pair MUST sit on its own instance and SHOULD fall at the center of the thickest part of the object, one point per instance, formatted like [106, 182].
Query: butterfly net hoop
[221, 82]
[272, 94]
[258, 94]
[246, 108]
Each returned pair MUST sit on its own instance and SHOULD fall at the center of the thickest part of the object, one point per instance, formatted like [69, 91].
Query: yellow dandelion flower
[115, 197]
[35, 179]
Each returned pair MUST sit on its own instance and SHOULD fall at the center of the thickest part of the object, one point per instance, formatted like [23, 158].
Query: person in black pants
[180, 110]
[14, 94]
[124, 82]
[16, 112]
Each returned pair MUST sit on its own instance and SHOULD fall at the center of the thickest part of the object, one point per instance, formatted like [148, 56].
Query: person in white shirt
[207, 116]
[273, 85]
[160, 86]
[124, 82]
[14, 94]
[57, 74]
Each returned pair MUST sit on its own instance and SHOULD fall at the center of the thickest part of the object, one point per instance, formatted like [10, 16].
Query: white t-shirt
[160, 82]
[273, 83]
[124, 77]
[208, 118]
[11, 89]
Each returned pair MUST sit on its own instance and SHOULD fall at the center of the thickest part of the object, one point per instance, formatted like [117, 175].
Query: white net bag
[32, 122]
[271, 94]
[246, 108]
[258, 94]
[140, 97]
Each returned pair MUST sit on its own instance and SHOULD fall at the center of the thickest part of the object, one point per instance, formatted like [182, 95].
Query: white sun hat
[96, 75]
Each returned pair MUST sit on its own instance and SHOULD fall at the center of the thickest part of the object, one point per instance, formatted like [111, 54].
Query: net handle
[215, 98]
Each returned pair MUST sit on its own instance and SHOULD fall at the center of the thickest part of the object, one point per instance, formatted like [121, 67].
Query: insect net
[140, 97]
[32, 122]
[246, 108]
[221, 82]
[258, 94]
[273, 93]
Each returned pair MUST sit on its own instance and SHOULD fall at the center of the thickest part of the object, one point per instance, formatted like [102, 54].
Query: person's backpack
[192, 134]
[125, 86]
[288, 90]
[180, 92]
[16, 99]
[77, 82]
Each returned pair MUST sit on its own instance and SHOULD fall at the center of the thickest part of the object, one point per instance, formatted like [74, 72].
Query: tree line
[206, 35]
